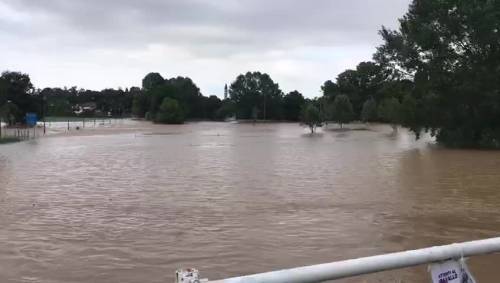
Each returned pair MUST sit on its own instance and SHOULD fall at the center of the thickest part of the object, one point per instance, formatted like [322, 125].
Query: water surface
[133, 202]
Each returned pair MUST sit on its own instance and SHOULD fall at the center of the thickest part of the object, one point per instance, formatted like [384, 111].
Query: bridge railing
[359, 266]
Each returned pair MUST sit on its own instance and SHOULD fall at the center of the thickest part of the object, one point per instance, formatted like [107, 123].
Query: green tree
[293, 102]
[341, 110]
[16, 89]
[369, 112]
[366, 81]
[389, 111]
[330, 89]
[256, 90]
[311, 117]
[157, 95]
[140, 102]
[170, 112]
[152, 80]
[450, 49]
[226, 110]
[189, 96]
[409, 115]
[212, 104]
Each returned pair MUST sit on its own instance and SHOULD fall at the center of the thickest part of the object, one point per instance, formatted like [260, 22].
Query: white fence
[359, 266]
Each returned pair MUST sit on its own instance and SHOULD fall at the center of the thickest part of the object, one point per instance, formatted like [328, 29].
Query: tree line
[437, 73]
[253, 95]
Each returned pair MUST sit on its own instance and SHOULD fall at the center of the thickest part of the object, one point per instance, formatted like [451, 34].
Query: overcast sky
[98, 44]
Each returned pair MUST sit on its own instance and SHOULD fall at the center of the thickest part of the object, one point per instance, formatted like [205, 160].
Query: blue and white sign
[31, 119]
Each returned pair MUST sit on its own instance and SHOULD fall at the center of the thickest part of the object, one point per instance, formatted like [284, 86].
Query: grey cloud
[264, 23]
[206, 29]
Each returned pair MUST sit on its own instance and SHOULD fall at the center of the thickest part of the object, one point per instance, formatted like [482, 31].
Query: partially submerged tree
[311, 117]
[341, 110]
[369, 111]
[389, 111]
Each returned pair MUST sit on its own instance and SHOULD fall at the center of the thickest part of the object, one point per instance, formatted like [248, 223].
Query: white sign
[452, 271]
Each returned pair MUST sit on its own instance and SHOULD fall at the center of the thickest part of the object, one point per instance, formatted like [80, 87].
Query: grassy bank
[6, 140]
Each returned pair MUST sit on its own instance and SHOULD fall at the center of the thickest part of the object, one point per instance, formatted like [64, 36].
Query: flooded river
[134, 202]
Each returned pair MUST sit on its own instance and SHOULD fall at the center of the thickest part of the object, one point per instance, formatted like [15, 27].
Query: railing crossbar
[372, 264]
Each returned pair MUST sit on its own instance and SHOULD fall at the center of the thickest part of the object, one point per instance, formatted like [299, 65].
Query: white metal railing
[359, 266]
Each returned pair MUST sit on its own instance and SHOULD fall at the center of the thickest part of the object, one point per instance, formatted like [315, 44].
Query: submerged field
[132, 201]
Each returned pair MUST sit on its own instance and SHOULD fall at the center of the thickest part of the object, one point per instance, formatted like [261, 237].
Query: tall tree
[256, 90]
[451, 50]
[151, 81]
[16, 90]
[189, 96]
[212, 104]
[293, 102]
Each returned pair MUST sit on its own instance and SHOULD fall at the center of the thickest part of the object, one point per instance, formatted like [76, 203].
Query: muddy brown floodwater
[133, 202]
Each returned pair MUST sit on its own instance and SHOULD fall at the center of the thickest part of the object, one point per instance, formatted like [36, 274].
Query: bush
[170, 112]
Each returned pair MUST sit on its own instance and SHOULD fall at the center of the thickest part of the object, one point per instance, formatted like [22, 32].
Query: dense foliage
[256, 96]
[451, 50]
[293, 103]
[253, 95]
[15, 96]
[170, 112]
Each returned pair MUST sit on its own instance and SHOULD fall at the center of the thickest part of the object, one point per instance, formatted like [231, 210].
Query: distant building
[87, 108]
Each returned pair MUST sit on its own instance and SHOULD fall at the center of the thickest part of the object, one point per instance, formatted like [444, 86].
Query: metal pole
[44, 127]
[43, 113]
[372, 264]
